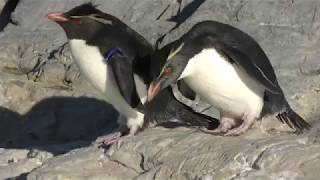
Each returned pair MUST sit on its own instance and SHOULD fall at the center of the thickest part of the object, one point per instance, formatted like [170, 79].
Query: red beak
[57, 17]
[153, 91]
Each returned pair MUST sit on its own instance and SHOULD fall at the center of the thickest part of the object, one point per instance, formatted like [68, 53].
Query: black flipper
[123, 74]
[294, 121]
[186, 91]
[165, 108]
[240, 58]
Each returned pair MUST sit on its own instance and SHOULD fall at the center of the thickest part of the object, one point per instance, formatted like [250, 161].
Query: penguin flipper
[186, 91]
[123, 74]
[235, 55]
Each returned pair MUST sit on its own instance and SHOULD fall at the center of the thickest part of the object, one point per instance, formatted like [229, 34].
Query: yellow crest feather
[96, 18]
[174, 52]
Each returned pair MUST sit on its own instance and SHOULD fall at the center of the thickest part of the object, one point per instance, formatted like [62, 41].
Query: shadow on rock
[5, 14]
[57, 124]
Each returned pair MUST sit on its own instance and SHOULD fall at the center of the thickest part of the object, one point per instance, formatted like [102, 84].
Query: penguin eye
[167, 71]
[77, 21]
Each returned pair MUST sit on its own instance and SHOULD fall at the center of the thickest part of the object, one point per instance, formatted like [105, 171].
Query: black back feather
[83, 10]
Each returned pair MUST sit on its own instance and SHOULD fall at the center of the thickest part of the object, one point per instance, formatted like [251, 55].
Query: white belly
[223, 85]
[100, 75]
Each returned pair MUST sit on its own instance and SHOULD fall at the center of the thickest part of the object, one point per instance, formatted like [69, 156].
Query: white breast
[141, 88]
[100, 75]
[224, 85]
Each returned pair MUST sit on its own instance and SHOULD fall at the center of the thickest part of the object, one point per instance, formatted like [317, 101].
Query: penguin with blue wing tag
[116, 61]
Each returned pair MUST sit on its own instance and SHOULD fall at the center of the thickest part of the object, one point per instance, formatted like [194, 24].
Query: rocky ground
[50, 116]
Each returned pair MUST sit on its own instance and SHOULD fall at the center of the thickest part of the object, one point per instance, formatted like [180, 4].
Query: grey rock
[72, 75]
[53, 73]
[86, 163]
[311, 65]
[9, 58]
[16, 162]
[182, 153]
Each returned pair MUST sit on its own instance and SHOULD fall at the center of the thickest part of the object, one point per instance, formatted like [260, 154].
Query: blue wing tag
[111, 53]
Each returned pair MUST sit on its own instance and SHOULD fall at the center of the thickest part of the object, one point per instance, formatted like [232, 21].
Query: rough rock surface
[189, 154]
[47, 109]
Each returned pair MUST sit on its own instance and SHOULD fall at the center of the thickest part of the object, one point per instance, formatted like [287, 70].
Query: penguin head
[81, 22]
[173, 70]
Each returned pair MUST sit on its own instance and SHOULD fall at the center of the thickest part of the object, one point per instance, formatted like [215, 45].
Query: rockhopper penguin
[229, 70]
[116, 60]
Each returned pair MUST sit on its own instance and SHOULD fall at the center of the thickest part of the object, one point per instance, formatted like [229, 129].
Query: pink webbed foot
[225, 125]
[116, 136]
[109, 138]
[241, 129]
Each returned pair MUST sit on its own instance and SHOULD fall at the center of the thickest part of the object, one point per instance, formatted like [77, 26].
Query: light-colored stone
[16, 162]
[87, 163]
[182, 153]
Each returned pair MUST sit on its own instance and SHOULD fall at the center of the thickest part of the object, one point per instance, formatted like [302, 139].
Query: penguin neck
[189, 70]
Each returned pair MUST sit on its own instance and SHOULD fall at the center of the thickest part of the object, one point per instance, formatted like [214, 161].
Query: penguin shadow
[5, 14]
[186, 12]
[57, 124]
[181, 16]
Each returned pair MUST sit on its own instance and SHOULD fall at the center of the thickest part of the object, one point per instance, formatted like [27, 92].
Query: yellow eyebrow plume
[94, 17]
[174, 52]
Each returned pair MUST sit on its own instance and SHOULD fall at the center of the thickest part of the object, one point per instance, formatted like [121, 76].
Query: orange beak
[153, 91]
[57, 17]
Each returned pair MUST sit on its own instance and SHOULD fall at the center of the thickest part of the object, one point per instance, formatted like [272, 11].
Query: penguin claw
[217, 131]
[109, 138]
[225, 129]
[233, 133]
[239, 130]
[225, 125]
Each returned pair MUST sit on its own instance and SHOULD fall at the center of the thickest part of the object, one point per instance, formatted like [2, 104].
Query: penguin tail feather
[294, 121]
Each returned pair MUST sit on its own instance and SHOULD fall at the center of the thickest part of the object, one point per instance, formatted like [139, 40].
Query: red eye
[167, 71]
[76, 21]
